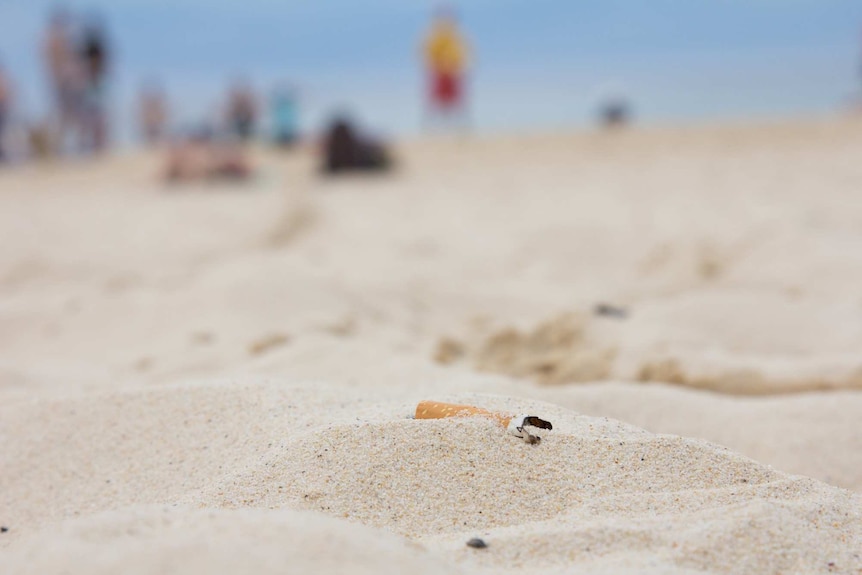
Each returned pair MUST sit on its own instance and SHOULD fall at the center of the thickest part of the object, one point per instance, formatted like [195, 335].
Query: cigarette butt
[514, 424]
[437, 410]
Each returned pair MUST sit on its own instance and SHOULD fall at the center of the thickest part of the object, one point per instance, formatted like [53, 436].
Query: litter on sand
[514, 424]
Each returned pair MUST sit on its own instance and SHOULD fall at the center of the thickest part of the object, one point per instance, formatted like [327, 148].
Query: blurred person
[65, 76]
[284, 110]
[446, 55]
[344, 149]
[201, 155]
[613, 108]
[614, 112]
[228, 161]
[242, 111]
[152, 114]
[860, 64]
[5, 111]
[187, 157]
[39, 141]
[94, 55]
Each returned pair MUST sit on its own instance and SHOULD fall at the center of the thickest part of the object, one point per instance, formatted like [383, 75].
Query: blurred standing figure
[446, 55]
[860, 65]
[64, 73]
[284, 117]
[5, 110]
[242, 111]
[152, 115]
[95, 59]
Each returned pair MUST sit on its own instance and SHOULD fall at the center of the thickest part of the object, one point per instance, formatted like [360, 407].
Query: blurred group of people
[241, 116]
[216, 149]
[210, 152]
[77, 59]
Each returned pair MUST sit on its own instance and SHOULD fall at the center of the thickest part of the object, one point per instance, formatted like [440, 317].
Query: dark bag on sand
[345, 151]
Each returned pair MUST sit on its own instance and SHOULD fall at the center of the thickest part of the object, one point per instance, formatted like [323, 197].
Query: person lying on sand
[202, 156]
[344, 149]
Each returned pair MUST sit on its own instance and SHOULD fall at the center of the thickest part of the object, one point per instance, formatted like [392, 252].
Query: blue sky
[538, 63]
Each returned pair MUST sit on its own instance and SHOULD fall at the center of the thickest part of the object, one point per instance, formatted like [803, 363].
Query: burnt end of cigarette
[536, 422]
[477, 543]
[518, 427]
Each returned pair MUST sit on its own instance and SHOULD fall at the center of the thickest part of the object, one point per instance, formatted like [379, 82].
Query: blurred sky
[538, 63]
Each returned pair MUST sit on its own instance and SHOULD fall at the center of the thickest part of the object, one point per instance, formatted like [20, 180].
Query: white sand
[594, 492]
[808, 434]
[178, 540]
[219, 382]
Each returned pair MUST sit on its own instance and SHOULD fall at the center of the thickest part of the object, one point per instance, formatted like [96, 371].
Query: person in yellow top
[446, 59]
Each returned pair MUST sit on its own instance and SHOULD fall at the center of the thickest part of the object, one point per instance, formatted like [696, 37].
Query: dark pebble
[4, 529]
[476, 543]
[612, 311]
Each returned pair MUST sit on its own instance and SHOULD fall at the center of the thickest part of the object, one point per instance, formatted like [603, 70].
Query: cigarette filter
[514, 424]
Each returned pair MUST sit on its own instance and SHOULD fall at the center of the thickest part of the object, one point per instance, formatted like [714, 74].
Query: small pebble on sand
[477, 543]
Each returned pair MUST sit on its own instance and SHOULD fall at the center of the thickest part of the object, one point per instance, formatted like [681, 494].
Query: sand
[219, 380]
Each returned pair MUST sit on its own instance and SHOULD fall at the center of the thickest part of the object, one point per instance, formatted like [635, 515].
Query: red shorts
[446, 89]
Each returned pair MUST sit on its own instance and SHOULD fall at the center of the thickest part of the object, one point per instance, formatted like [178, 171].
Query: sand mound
[176, 540]
[421, 477]
[593, 490]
